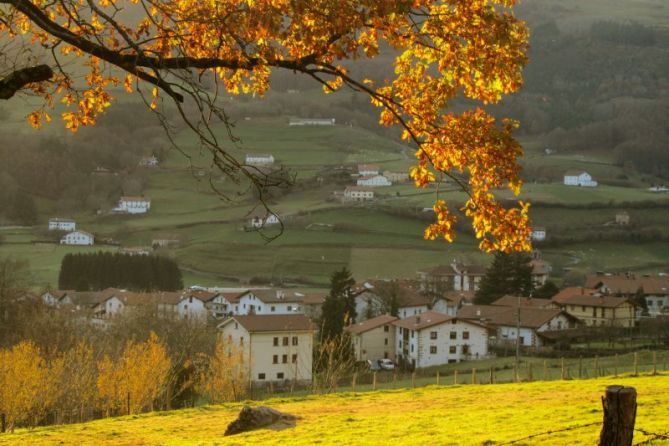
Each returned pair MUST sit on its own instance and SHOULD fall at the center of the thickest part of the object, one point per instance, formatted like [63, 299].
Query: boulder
[251, 418]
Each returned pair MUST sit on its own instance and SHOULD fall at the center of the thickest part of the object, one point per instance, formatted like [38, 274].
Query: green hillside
[452, 415]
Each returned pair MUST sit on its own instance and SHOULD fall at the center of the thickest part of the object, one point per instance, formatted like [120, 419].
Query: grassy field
[452, 415]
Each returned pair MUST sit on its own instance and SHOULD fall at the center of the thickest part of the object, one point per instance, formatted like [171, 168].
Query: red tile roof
[371, 324]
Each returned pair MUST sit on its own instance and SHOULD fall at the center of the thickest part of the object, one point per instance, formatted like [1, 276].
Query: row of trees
[97, 271]
[37, 386]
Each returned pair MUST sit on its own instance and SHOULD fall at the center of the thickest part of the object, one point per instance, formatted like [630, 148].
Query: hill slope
[457, 415]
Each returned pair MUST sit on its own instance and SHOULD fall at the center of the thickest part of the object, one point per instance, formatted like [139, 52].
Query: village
[435, 323]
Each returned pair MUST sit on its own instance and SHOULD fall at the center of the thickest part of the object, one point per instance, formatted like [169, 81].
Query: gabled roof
[574, 173]
[595, 301]
[423, 320]
[61, 220]
[527, 302]
[371, 324]
[508, 316]
[629, 284]
[314, 298]
[79, 232]
[275, 296]
[271, 322]
[358, 189]
[457, 297]
[571, 291]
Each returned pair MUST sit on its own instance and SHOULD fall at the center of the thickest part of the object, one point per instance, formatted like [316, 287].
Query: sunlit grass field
[434, 415]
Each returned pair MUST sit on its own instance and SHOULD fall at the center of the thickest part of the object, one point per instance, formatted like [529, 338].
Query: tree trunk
[619, 416]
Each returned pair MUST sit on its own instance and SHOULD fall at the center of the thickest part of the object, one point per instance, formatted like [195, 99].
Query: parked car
[386, 364]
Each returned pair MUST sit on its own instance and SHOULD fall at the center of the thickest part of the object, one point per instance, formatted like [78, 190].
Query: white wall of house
[191, 308]
[250, 302]
[538, 235]
[445, 306]
[582, 179]
[358, 195]
[56, 224]
[374, 181]
[404, 312]
[77, 238]
[133, 206]
[259, 160]
[657, 304]
[376, 343]
[49, 299]
[111, 307]
[421, 348]
[367, 306]
[219, 306]
[268, 358]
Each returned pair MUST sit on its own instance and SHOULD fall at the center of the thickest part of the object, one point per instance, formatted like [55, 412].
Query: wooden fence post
[529, 371]
[615, 365]
[437, 377]
[515, 374]
[636, 364]
[374, 381]
[561, 368]
[545, 370]
[619, 415]
[353, 381]
[413, 380]
[474, 376]
[580, 367]
[654, 363]
[596, 366]
[455, 377]
[492, 375]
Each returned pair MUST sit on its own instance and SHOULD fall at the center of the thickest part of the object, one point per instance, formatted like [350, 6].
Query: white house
[62, 224]
[354, 193]
[277, 348]
[451, 301]
[259, 159]
[578, 178]
[538, 234]
[365, 170]
[431, 339]
[78, 238]
[260, 218]
[541, 271]
[191, 307]
[53, 298]
[148, 161]
[133, 205]
[503, 321]
[456, 276]
[269, 301]
[223, 304]
[396, 177]
[367, 303]
[412, 304]
[373, 181]
[311, 121]
[135, 250]
[373, 338]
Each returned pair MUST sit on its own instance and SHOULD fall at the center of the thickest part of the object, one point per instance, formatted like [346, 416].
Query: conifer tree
[509, 274]
[339, 306]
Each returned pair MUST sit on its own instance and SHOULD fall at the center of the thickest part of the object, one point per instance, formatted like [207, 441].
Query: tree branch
[20, 78]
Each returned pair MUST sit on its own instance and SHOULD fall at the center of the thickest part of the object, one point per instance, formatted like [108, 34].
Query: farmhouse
[259, 159]
[598, 310]
[538, 234]
[166, 241]
[354, 193]
[78, 238]
[148, 161]
[268, 301]
[135, 250]
[276, 348]
[192, 305]
[373, 181]
[526, 302]
[504, 320]
[654, 287]
[260, 218]
[222, 304]
[133, 205]
[396, 177]
[431, 339]
[541, 271]
[365, 170]
[53, 298]
[373, 338]
[451, 301]
[622, 218]
[578, 178]
[367, 303]
[311, 121]
[62, 224]
[456, 276]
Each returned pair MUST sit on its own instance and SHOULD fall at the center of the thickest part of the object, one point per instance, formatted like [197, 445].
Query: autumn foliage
[444, 48]
[223, 376]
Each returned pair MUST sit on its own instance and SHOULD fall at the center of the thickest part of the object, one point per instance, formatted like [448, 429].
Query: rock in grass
[251, 418]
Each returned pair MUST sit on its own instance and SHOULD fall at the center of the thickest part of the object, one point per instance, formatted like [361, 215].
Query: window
[412, 333]
[411, 348]
[294, 358]
[385, 355]
[400, 343]
[294, 340]
[386, 328]
[433, 335]
[594, 312]
[284, 359]
[433, 349]
[279, 375]
[465, 335]
[454, 335]
[275, 359]
[385, 341]
[465, 349]
[290, 308]
[452, 349]
[273, 309]
[241, 340]
[276, 342]
[261, 376]
[583, 308]
[285, 340]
